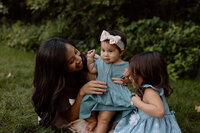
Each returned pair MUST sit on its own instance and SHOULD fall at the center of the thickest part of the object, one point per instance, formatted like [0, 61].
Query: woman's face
[73, 58]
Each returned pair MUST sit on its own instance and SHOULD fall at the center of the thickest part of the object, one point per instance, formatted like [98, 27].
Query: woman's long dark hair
[52, 79]
[152, 68]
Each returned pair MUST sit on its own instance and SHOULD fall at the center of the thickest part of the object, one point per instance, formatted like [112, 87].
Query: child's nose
[106, 53]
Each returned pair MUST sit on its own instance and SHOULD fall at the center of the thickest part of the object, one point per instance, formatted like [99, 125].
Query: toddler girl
[117, 96]
[148, 74]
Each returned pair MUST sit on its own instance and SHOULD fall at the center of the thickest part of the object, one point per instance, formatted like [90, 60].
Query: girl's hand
[126, 73]
[124, 80]
[96, 57]
[90, 56]
[91, 53]
[136, 99]
[93, 87]
[120, 81]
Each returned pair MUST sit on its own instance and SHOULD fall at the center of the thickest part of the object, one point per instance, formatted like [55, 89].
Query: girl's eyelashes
[108, 50]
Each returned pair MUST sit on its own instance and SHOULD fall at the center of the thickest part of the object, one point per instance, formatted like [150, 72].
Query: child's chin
[107, 61]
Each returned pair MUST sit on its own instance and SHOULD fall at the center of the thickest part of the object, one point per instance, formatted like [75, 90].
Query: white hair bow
[112, 39]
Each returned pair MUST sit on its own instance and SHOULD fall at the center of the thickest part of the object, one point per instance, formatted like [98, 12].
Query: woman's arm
[151, 103]
[92, 87]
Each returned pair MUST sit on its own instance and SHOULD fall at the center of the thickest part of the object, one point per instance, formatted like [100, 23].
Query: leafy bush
[23, 36]
[179, 43]
[34, 10]
[28, 37]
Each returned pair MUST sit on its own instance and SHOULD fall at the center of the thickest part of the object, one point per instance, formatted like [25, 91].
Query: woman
[61, 74]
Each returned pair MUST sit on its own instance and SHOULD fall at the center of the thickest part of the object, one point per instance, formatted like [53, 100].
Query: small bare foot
[91, 126]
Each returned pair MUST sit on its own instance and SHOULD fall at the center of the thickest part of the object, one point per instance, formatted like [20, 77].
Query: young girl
[148, 73]
[117, 97]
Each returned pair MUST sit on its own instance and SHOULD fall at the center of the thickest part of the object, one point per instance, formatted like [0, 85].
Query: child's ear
[122, 52]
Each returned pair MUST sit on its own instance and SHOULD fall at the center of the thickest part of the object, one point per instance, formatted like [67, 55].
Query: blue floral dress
[140, 122]
[116, 98]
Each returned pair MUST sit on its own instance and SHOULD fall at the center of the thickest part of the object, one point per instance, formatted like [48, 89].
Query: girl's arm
[92, 87]
[90, 61]
[151, 103]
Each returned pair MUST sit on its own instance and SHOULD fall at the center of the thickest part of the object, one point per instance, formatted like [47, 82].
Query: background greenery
[171, 27]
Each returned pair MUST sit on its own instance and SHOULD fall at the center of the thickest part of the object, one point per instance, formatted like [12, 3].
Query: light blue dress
[140, 122]
[116, 98]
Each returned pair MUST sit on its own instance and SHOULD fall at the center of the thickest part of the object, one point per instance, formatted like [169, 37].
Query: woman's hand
[124, 80]
[93, 87]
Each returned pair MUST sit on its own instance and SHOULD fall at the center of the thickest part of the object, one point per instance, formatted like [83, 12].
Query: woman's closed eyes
[76, 52]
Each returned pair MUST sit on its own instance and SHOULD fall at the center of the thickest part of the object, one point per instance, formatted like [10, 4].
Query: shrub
[178, 42]
[23, 37]
[28, 37]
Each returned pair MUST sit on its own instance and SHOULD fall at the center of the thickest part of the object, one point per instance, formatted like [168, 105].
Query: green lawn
[17, 113]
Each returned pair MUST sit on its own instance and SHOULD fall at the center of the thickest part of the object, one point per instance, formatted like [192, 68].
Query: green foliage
[23, 36]
[165, 9]
[83, 21]
[5, 30]
[3, 9]
[36, 5]
[34, 10]
[28, 37]
[179, 43]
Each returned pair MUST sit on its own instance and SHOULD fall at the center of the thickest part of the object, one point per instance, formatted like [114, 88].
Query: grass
[16, 77]
[17, 113]
[183, 100]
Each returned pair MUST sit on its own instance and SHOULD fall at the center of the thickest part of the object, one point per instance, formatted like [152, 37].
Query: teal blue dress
[116, 98]
[140, 122]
